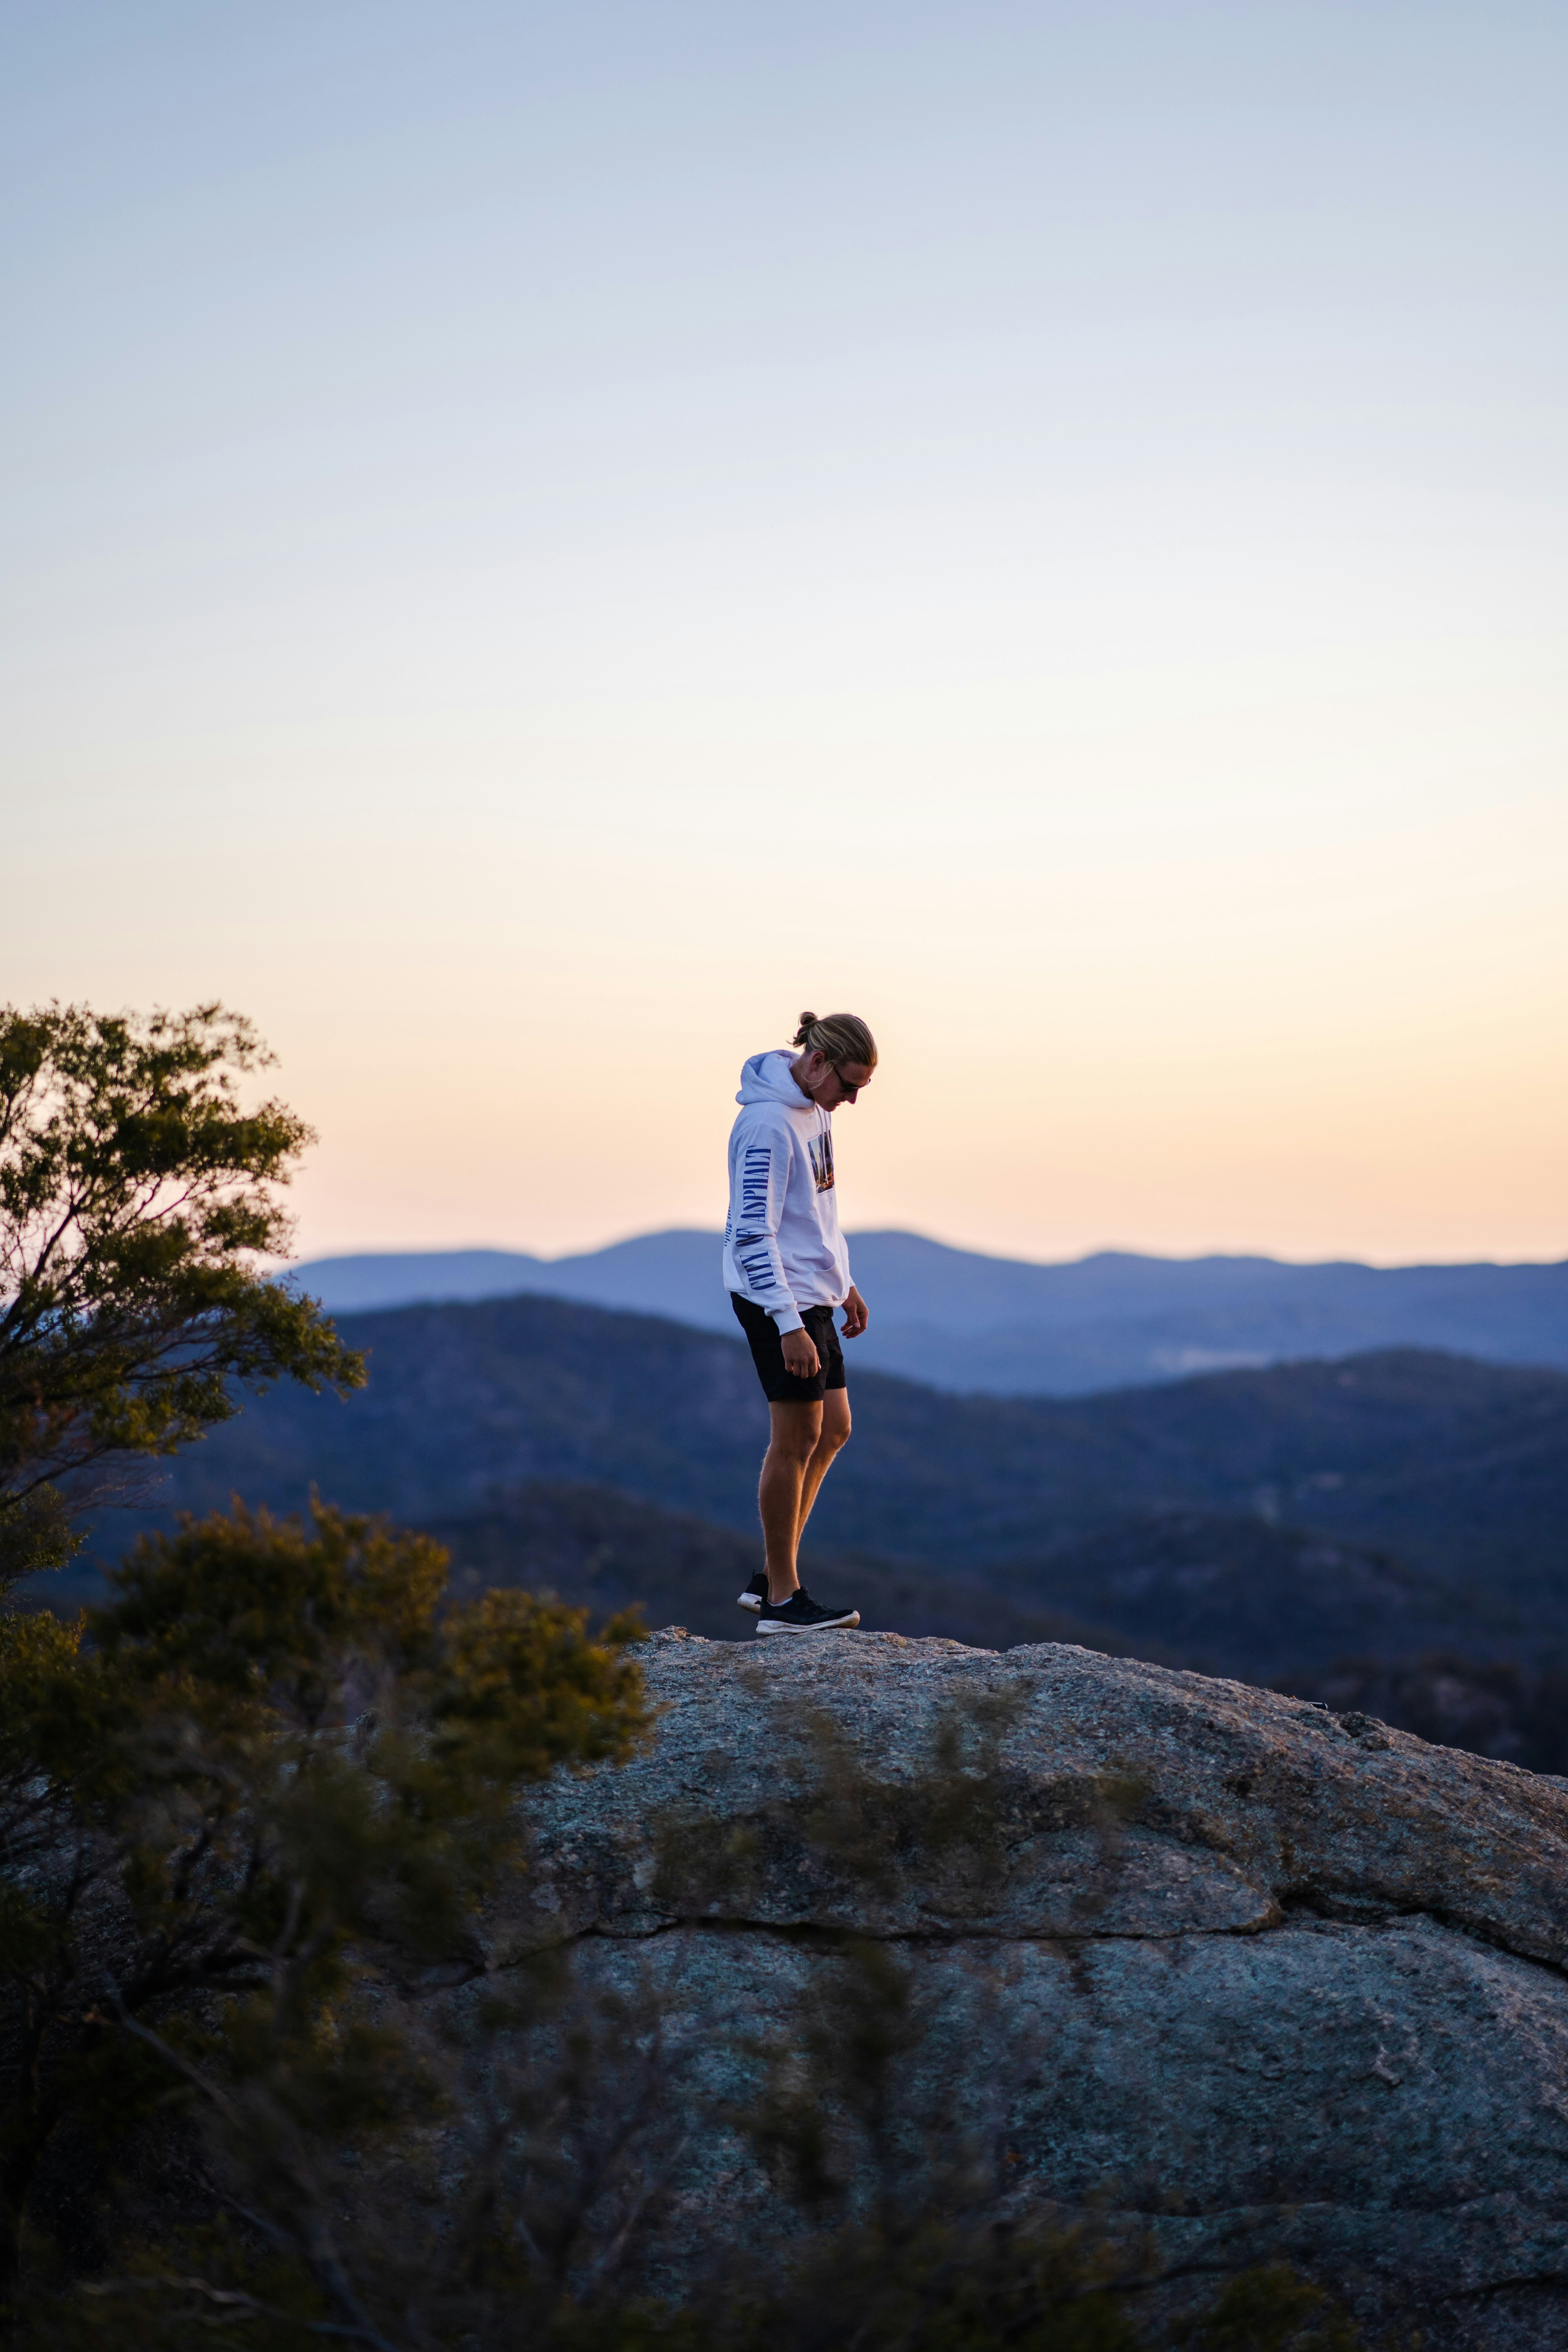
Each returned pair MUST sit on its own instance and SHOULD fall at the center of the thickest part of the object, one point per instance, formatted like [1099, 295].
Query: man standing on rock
[787, 1267]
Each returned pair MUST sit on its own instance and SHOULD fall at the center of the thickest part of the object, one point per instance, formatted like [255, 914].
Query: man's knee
[792, 1449]
[836, 1425]
[797, 1430]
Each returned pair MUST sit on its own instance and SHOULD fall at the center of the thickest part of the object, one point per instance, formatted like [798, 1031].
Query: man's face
[841, 1083]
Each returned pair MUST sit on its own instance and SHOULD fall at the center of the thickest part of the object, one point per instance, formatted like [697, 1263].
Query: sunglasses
[851, 1092]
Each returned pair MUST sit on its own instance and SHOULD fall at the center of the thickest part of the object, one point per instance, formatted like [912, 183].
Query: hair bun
[841, 1037]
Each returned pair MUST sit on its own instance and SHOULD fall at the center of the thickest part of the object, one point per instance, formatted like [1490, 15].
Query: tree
[277, 1772]
[138, 1194]
[285, 2058]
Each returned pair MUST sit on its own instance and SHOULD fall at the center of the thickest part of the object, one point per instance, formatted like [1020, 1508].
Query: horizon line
[960, 1249]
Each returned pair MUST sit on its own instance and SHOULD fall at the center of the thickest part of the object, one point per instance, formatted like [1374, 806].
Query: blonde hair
[840, 1035]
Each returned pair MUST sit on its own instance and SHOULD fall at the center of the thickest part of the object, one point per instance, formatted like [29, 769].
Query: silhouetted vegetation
[273, 2064]
[136, 1194]
[1491, 1708]
[605, 1551]
[273, 1775]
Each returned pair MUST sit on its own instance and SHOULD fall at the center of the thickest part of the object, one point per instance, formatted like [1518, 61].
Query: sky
[539, 542]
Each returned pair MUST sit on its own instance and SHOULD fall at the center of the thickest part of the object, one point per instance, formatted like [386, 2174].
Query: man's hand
[856, 1313]
[800, 1354]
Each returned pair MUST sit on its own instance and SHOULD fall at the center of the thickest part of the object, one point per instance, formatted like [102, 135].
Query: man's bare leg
[795, 1436]
[833, 1436]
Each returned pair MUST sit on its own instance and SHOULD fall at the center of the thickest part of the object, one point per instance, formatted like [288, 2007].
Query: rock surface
[1259, 1981]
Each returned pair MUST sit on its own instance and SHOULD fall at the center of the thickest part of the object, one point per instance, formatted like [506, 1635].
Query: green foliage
[977, 2285]
[942, 2286]
[1271, 2309]
[137, 1194]
[252, 1816]
[268, 1609]
[857, 1835]
[929, 2254]
[270, 1772]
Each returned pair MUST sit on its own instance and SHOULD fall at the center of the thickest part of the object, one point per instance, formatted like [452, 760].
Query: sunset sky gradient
[540, 541]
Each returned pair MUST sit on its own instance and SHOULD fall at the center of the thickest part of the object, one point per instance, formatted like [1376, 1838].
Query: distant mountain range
[604, 1551]
[1249, 1522]
[958, 1320]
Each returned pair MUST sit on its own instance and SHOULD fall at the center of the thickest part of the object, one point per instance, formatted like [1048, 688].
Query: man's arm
[756, 1205]
[856, 1313]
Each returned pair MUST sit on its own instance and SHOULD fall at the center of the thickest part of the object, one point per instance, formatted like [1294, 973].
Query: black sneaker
[801, 1614]
[755, 1593]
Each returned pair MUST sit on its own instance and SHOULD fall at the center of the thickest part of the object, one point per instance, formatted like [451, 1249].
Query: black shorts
[780, 1387]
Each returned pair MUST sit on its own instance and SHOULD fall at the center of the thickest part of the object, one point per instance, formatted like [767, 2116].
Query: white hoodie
[783, 1248]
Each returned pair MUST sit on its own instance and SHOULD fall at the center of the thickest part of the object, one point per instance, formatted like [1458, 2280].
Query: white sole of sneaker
[828, 1625]
[749, 1600]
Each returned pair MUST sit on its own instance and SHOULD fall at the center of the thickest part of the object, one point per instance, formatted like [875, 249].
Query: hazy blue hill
[960, 1320]
[675, 1274]
[1460, 1468]
[1227, 1595]
[604, 1551]
[464, 1400]
[1230, 1595]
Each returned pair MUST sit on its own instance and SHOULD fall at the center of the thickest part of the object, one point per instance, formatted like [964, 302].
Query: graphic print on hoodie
[783, 1248]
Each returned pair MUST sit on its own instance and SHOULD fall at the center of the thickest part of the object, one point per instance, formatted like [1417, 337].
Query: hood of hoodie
[765, 1078]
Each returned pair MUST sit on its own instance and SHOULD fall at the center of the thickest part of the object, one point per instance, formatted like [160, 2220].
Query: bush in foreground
[264, 2079]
